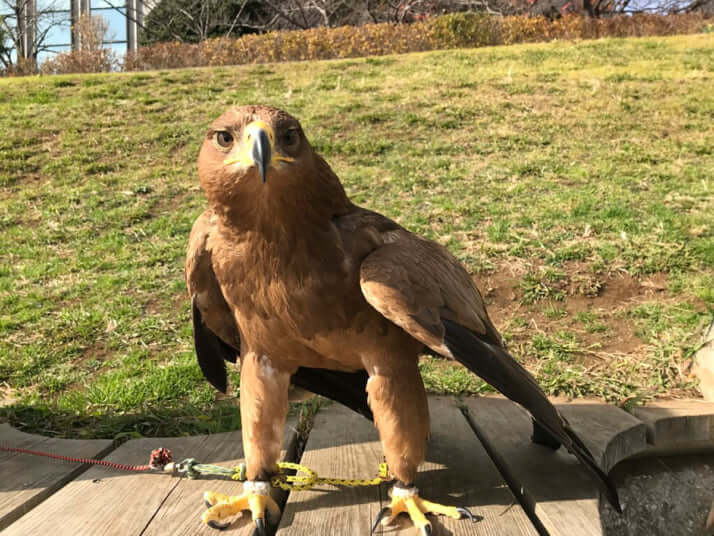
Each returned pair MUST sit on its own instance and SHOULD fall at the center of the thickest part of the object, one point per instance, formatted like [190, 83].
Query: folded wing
[421, 287]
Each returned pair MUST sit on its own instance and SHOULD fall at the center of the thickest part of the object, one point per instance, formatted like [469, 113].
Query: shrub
[81, 61]
[457, 30]
[454, 30]
[22, 67]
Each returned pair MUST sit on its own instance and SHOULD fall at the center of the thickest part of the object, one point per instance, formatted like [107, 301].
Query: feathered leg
[263, 408]
[398, 400]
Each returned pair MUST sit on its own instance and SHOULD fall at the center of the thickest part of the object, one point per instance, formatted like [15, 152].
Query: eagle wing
[418, 285]
[215, 332]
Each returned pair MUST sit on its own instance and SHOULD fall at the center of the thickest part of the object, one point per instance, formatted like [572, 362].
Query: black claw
[426, 530]
[260, 527]
[380, 516]
[217, 526]
[466, 513]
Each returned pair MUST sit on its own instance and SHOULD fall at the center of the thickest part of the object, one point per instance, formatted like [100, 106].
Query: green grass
[574, 180]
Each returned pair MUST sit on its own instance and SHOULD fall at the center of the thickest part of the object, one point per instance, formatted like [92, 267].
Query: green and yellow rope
[310, 479]
[305, 481]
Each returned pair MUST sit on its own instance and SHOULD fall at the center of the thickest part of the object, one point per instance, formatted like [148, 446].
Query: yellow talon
[408, 501]
[255, 498]
[415, 511]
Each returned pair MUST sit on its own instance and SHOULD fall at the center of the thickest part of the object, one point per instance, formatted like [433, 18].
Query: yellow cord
[310, 478]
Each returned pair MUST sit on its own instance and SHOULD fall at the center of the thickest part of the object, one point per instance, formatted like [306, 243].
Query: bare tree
[92, 32]
[24, 28]
[195, 20]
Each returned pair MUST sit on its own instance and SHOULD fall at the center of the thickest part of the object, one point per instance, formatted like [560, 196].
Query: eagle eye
[224, 138]
[290, 137]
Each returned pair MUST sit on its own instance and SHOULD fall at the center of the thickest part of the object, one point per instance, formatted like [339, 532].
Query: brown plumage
[284, 270]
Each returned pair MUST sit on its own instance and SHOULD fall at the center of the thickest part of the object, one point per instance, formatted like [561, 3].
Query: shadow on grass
[149, 421]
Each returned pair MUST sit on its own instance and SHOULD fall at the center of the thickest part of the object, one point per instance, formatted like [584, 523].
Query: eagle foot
[255, 498]
[407, 500]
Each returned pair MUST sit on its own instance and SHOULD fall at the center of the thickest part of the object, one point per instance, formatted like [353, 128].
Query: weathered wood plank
[559, 491]
[104, 501]
[181, 512]
[11, 437]
[610, 433]
[341, 444]
[28, 480]
[674, 424]
[459, 472]
[108, 502]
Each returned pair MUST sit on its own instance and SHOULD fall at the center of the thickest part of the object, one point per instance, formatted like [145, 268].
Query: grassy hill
[573, 179]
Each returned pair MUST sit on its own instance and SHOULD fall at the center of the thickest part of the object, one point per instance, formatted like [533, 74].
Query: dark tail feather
[606, 484]
[347, 388]
[502, 371]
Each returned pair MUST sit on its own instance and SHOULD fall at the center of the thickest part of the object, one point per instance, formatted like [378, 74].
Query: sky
[59, 37]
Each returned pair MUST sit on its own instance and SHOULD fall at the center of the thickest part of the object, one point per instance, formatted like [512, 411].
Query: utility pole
[134, 21]
[27, 26]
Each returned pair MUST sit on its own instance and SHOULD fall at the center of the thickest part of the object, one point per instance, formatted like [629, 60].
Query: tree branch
[285, 16]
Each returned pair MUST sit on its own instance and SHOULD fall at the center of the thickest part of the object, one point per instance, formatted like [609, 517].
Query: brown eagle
[308, 289]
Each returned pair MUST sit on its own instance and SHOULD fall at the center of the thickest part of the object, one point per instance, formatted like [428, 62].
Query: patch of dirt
[172, 203]
[96, 352]
[501, 291]
[170, 197]
[600, 297]
[501, 288]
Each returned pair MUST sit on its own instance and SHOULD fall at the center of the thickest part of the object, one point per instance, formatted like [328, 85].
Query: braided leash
[310, 480]
[161, 461]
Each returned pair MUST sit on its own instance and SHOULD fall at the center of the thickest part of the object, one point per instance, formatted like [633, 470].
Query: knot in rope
[160, 458]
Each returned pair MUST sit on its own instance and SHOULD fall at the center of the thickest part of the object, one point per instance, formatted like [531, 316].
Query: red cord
[159, 458]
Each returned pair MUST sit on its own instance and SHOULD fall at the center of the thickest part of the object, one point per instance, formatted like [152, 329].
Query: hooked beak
[257, 149]
[261, 151]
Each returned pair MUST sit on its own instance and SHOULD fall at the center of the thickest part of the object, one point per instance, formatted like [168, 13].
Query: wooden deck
[480, 456]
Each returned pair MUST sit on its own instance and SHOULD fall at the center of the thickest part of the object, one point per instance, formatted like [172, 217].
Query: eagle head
[249, 150]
